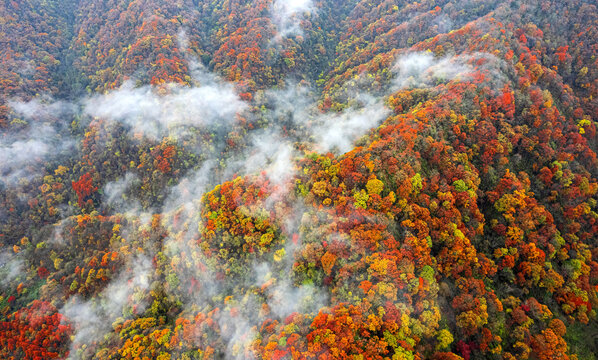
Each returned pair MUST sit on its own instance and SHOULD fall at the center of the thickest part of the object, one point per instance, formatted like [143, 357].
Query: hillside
[306, 179]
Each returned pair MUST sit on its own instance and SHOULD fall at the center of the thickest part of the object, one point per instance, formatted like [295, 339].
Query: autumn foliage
[462, 226]
[36, 332]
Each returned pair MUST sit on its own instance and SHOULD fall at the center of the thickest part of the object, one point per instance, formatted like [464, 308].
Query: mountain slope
[258, 179]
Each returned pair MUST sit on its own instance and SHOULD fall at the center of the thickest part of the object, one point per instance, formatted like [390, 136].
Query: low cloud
[331, 131]
[11, 266]
[340, 131]
[169, 111]
[42, 109]
[117, 193]
[93, 319]
[287, 15]
[44, 136]
[269, 152]
[18, 157]
[422, 69]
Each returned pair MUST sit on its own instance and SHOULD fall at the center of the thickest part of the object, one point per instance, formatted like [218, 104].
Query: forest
[299, 179]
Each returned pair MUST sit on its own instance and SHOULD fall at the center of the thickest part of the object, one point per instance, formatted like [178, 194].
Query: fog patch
[288, 14]
[93, 319]
[11, 266]
[154, 115]
[43, 136]
[424, 70]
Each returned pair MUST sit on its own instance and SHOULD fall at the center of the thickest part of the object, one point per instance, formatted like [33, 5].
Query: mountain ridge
[305, 179]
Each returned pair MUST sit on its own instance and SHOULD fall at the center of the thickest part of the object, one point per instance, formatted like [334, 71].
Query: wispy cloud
[287, 15]
[93, 319]
[45, 136]
[156, 115]
[11, 266]
[340, 131]
[423, 69]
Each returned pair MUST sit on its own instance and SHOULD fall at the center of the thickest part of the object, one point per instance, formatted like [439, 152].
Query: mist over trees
[305, 179]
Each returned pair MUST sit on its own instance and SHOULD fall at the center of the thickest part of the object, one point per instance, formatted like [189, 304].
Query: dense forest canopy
[303, 179]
